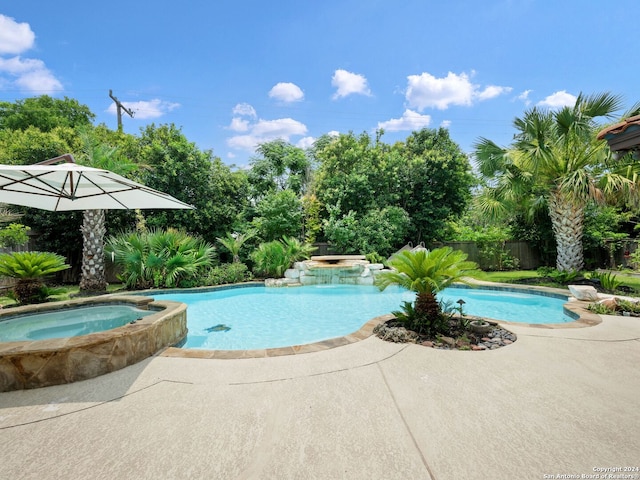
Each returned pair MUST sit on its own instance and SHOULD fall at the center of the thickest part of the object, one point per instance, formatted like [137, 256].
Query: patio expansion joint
[598, 340]
[406, 424]
[99, 404]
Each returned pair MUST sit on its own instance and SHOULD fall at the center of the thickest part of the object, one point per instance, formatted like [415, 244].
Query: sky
[234, 74]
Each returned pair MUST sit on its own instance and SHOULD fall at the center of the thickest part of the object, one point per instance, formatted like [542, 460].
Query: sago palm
[427, 272]
[29, 268]
[555, 162]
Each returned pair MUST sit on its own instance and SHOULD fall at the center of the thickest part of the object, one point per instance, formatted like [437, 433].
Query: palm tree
[234, 242]
[426, 272]
[92, 274]
[29, 268]
[555, 161]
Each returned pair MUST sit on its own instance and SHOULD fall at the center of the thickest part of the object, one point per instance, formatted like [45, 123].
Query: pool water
[258, 317]
[70, 322]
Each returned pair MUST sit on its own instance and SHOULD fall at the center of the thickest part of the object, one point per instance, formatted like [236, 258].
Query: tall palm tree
[426, 272]
[555, 161]
[93, 278]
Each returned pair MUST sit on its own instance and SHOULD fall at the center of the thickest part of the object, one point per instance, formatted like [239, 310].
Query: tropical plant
[159, 258]
[273, 258]
[29, 268]
[93, 278]
[234, 242]
[608, 281]
[557, 162]
[427, 272]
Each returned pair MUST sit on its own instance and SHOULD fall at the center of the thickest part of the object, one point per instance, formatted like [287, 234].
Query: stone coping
[574, 309]
[39, 363]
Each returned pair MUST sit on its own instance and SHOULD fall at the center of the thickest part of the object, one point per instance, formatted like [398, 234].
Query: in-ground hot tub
[36, 363]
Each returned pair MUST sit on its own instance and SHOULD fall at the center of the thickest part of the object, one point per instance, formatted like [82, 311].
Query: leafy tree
[436, 183]
[281, 166]
[273, 258]
[179, 168]
[426, 272]
[31, 145]
[378, 231]
[278, 214]
[44, 113]
[555, 161]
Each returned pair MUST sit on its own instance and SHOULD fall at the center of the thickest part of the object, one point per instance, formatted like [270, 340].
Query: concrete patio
[556, 402]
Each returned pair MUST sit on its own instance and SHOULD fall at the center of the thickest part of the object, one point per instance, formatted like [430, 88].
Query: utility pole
[119, 108]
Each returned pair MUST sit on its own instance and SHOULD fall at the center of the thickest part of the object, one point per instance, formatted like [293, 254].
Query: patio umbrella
[70, 186]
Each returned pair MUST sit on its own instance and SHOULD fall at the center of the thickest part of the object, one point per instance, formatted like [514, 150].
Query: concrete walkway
[556, 402]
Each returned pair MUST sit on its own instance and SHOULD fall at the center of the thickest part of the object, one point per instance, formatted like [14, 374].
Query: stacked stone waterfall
[329, 269]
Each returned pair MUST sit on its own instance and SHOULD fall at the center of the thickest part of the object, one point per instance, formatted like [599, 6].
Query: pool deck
[556, 402]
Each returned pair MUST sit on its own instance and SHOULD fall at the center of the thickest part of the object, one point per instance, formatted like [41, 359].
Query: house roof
[624, 135]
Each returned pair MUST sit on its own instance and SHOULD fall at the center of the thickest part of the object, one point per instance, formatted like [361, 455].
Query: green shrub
[600, 309]
[228, 273]
[564, 277]
[14, 235]
[159, 258]
[609, 281]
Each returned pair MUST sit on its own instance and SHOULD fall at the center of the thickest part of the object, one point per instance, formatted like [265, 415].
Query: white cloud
[305, 142]
[558, 100]
[29, 75]
[265, 131]
[409, 121]
[286, 92]
[244, 110]
[239, 125]
[144, 110]
[348, 83]
[425, 90]
[524, 96]
[493, 91]
[445, 123]
[333, 133]
[15, 37]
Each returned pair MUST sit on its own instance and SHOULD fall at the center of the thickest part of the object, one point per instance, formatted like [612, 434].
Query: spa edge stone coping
[33, 364]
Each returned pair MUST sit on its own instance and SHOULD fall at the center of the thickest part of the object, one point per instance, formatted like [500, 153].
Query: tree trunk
[567, 220]
[92, 276]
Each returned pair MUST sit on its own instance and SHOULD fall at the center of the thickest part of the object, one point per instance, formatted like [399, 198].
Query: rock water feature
[329, 269]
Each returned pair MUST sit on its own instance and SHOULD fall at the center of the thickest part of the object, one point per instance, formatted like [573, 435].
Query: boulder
[584, 293]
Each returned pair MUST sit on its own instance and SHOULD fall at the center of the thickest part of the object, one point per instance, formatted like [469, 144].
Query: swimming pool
[258, 317]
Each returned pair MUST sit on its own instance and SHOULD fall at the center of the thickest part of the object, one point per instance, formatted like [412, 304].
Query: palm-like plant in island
[556, 161]
[425, 272]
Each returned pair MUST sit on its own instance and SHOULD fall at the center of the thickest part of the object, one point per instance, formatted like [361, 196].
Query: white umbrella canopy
[70, 186]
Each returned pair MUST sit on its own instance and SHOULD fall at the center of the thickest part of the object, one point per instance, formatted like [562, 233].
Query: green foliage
[428, 177]
[158, 258]
[13, 235]
[426, 270]
[29, 268]
[281, 166]
[600, 309]
[377, 231]
[45, 113]
[564, 277]
[179, 168]
[411, 319]
[610, 282]
[233, 242]
[273, 258]
[629, 306]
[312, 223]
[228, 273]
[30, 265]
[375, 257]
[278, 214]
[25, 147]
[602, 225]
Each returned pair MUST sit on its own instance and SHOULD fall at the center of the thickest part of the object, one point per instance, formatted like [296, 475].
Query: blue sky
[233, 74]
